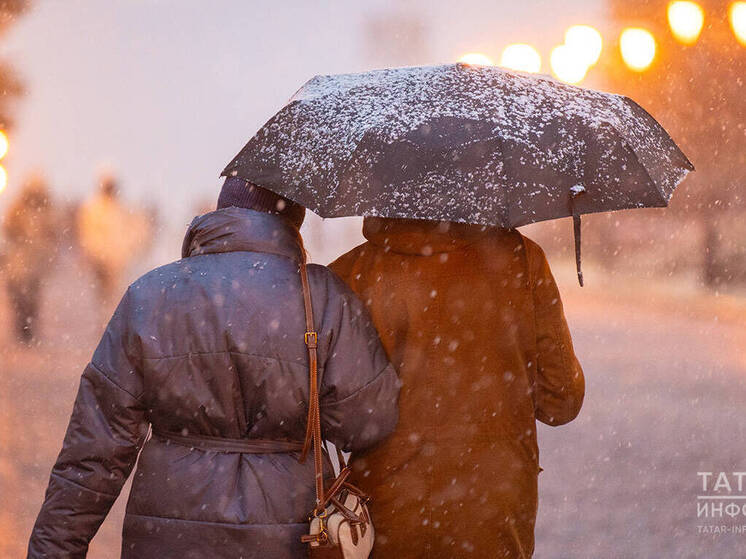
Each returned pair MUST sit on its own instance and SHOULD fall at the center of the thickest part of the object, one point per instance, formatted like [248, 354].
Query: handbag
[340, 524]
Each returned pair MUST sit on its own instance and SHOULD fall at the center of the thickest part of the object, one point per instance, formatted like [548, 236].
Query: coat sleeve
[106, 430]
[560, 385]
[360, 388]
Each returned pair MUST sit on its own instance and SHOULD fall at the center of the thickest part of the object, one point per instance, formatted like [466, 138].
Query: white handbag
[348, 528]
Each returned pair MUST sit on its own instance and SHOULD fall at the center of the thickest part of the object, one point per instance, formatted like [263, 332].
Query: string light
[476, 59]
[521, 57]
[686, 20]
[587, 41]
[638, 48]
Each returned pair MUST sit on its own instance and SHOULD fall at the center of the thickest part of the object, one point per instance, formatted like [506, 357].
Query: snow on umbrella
[471, 144]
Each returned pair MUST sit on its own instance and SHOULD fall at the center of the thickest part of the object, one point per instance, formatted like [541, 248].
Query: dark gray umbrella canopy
[463, 143]
[474, 144]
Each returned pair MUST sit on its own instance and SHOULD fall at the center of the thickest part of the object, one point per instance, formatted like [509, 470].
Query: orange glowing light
[737, 16]
[476, 59]
[638, 48]
[686, 20]
[3, 144]
[521, 57]
[587, 41]
[569, 64]
[3, 178]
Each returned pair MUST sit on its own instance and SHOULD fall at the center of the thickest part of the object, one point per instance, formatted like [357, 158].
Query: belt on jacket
[224, 444]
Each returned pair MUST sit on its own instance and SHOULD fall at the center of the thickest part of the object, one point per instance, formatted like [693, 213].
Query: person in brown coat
[472, 319]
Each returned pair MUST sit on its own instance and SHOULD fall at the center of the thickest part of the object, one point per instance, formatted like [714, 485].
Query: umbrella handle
[576, 231]
[575, 191]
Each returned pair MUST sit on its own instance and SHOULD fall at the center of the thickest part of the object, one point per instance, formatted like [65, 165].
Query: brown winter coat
[473, 322]
[212, 347]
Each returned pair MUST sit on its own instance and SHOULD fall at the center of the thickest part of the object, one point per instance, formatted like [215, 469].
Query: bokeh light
[737, 16]
[587, 41]
[3, 178]
[686, 20]
[638, 48]
[568, 63]
[477, 59]
[521, 57]
[3, 144]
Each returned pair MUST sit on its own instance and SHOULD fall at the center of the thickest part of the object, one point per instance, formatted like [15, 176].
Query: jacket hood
[240, 229]
[423, 238]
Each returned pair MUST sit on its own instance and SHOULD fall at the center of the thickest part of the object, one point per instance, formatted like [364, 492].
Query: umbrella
[471, 144]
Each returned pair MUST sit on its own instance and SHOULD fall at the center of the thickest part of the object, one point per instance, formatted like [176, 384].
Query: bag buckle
[311, 338]
[323, 536]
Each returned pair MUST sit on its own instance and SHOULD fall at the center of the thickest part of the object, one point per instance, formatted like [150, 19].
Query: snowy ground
[666, 386]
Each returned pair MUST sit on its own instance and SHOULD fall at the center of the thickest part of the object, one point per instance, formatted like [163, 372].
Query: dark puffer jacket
[212, 345]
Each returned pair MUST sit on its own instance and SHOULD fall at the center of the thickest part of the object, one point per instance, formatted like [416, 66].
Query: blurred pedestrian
[30, 229]
[209, 351]
[111, 235]
[472, 319]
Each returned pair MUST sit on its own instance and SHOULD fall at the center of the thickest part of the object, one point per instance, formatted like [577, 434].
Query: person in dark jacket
[473, 321]
[31, 228]
[210, 352]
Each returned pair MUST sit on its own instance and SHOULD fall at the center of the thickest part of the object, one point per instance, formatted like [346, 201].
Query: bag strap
[313, 425]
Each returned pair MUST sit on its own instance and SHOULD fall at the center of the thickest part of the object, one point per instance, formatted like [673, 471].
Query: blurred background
[117, 117]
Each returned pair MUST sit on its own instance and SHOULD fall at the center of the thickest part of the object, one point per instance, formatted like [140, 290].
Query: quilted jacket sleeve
[360, 388]
[560, 385]
[106, 430]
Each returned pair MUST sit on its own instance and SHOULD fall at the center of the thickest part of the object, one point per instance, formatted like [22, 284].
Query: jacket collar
[239, 229]
[423, 238]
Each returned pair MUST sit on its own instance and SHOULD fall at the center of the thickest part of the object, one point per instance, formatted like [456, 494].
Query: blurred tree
[698, 93]
[10, 86]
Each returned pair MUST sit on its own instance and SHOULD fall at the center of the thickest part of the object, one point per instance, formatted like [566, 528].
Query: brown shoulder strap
[313, 426]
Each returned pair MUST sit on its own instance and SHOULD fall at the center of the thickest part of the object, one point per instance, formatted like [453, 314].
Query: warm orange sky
[166, 92]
